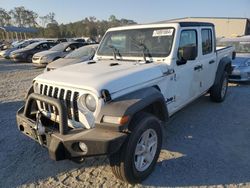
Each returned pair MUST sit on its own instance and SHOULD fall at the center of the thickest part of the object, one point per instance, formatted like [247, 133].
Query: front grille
[68, 97]
[238, 77]
[35, 58]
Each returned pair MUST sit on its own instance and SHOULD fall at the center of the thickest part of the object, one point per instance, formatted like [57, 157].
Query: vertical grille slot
[56, 93]
[75, 107]
[41, 92]
[50, 95]
[45, 90]
[50, 91]
[61, 94]
[41, 89]
[45, 93]
[68, 104]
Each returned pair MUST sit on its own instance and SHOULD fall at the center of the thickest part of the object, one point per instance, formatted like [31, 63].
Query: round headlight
[90, 102]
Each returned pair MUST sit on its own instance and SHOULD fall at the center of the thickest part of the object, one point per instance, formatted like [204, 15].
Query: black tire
[123, 162]
[218, 92]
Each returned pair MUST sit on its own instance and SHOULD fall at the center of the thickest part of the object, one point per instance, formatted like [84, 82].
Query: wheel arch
[225, 64]
[148, 100]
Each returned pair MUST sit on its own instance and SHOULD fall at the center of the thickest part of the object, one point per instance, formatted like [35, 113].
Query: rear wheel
[138, 156]
[218, 92]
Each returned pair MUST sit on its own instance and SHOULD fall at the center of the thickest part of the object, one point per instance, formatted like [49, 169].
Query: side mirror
[186, 54]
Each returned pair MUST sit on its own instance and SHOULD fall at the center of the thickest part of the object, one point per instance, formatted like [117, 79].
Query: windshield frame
[138, 54]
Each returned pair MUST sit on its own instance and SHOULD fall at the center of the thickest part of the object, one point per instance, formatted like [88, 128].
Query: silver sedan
[241, 64]
[41, 59]
[241, 68]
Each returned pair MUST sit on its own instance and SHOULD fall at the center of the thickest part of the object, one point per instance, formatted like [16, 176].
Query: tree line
[48, 26]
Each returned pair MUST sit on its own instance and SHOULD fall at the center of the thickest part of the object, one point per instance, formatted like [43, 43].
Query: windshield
[33, 45]
[156, 42]
[58, 47]
[240, 47]
[81, 52]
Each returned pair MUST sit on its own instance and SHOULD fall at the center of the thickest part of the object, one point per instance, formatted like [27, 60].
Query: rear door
[208, 58]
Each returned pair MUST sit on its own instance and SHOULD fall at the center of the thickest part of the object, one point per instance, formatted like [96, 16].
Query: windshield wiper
[115, 51]
[144, 49]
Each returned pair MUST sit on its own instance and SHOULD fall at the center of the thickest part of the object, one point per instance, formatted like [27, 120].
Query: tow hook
[40, 129]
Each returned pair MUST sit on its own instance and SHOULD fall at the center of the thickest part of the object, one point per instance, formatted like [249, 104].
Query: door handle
[211, 62]
[198, 67]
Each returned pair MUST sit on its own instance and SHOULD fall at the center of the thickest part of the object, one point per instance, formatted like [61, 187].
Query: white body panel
[179, 84]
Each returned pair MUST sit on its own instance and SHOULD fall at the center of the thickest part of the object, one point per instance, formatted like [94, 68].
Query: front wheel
[138, 156]
[218, 92]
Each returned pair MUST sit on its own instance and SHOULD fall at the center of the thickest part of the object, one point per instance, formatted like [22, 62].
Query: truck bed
[223, 51]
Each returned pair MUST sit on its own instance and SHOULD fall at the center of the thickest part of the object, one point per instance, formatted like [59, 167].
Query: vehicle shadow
[24, 161]
[207, 144]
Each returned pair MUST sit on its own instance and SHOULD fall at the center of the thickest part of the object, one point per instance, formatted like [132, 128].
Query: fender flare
[132, 103]
[224, 64]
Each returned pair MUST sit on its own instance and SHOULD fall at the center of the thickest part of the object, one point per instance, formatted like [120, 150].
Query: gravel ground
[205, 145]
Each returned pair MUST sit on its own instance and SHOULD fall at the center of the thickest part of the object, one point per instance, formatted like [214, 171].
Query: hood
[46, 53]
[101, 75]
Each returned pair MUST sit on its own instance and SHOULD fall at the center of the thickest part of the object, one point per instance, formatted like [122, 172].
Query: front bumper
[18, 58]
[63, 143]
[39, 62]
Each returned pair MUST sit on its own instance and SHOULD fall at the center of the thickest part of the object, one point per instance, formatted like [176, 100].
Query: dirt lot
[206, 144]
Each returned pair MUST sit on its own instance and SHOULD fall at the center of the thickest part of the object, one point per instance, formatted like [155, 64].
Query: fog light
[83, 147]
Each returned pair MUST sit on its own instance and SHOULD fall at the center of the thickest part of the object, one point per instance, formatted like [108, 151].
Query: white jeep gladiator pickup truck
[116, 104]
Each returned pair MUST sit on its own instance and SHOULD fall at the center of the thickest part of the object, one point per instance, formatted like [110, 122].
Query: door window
[188, 39]
[207, 45]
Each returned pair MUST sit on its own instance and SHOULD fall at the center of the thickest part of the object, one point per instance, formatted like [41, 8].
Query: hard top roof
[165, 23]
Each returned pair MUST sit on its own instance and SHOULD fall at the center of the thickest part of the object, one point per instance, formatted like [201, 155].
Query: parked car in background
[5, 45]
[41, 59]
[26, 54]
[1, 45]
[241, 64]
[82, 54]
[18, 45]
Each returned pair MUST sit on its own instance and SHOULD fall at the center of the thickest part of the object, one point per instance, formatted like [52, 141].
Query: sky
[141, 11]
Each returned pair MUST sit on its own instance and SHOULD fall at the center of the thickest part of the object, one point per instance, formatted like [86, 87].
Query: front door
[187, 76]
